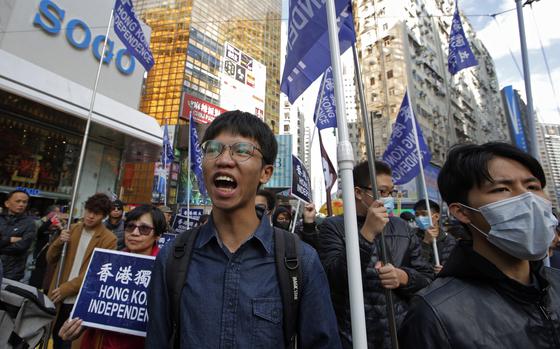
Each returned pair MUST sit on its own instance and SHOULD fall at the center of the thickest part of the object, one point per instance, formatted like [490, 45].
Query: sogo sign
[50, 18]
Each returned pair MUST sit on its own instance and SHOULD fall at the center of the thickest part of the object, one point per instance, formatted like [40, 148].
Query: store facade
[49, 54]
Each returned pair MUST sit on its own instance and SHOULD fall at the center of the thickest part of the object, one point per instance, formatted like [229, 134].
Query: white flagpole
[345, 167]
[422, 176]
[189, 189]
[295, 216]
[83, 149]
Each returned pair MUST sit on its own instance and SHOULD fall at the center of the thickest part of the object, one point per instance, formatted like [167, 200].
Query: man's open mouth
[224, 182]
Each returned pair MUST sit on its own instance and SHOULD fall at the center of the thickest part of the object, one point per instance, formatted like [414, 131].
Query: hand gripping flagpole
[83, 151]
[345, 166]
[422, 176]
[370, 151]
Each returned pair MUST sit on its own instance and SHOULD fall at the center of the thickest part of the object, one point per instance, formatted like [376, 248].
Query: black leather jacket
[404, 252]
[472, 304]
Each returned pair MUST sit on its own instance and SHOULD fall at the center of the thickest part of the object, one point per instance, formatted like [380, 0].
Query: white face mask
[522, 226]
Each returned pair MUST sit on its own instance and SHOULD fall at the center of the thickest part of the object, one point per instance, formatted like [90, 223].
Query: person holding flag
[406, 273]
[494, 291]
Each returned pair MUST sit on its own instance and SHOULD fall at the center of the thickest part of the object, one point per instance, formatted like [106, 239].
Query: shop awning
[28, 80]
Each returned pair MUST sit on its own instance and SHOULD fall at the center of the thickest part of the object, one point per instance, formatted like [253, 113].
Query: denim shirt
[233, 300]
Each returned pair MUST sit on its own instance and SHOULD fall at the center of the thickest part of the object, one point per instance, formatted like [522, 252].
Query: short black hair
[270, 198]
[466, 166]
[13, 192]
[51, 208]
[407, 216]
[421, 205]
[98, 203]
[246, 125]
[160, 224]
[361, 172]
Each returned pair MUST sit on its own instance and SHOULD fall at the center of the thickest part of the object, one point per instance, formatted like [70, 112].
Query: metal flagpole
[189, 186]
[527, 76]
[423, 177]
[83, 150]
[370, 150]
[345, 166]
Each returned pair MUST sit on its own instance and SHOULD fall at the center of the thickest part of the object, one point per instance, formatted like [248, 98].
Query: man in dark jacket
[494, 291]
[427, 233]
[406, 273]
[115, 222]
[17, 230]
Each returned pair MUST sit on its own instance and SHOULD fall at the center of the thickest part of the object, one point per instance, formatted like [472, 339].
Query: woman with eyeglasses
[142, 229]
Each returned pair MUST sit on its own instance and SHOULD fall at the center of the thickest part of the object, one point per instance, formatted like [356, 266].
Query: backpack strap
[288, 269]
[176, 273]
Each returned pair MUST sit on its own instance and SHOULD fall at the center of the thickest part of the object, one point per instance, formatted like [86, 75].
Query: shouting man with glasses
[231, 296]
[406, 272]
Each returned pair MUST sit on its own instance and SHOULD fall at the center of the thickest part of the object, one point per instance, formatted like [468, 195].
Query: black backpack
[287, 267]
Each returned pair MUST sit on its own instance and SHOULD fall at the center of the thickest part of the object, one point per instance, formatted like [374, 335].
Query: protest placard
[301, 182]
[114, 292]
[165, 238]
[182, 222]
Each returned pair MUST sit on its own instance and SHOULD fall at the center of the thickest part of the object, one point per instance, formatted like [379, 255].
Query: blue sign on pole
[326, 103]
[301, 182]
[308, 49]
[401, 154]
[182, 222]
[128, 29]
[514, 118]
[114, 292]
[460, 53]
[196, 157]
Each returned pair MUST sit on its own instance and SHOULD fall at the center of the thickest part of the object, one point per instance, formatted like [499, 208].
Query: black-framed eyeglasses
[240, 151]
[142, 229]
[382, 193]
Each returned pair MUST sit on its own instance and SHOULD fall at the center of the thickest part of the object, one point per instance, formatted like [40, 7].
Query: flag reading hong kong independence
[460, 53]
[401, 154]
[196, 157]
[307, 52]
[128, 29]
[325, 107]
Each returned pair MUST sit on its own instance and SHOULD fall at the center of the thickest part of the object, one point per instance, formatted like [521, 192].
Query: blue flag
[401, 154]
[128, 29]
[167, 156]
[308, 53]
[460, 53]
[326, 104]
[196, 157]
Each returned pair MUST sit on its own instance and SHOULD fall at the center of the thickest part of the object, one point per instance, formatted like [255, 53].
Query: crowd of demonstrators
[81, 240]
[406, 272]
[265, 201]
[168, 214]
[232, 296]
[427, 232]
[115, 222]
[494, 291]
[142, 229]
[17, 231]
[282, 217]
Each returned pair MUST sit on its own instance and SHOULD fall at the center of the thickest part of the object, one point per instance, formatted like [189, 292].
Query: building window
[390, 74]
[372, 81]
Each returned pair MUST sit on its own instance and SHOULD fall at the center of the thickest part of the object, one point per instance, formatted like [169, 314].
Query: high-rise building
[551, 158]
[398, 54]
[292, 122]
[189, 41]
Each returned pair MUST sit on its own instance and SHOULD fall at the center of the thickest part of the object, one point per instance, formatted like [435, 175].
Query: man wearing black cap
[115, 222]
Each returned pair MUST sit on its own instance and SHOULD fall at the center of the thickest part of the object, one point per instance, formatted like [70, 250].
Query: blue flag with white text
[128, 29]
[308, 49]
[460, 53]
[167, 156]
[401, 154]
[326, 104]
[196, 157]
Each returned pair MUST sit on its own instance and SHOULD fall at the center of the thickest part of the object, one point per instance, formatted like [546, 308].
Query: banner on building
[282, 175]
[128, 29]
[301, 182]
[114, 292]
[202, 112]
[401, 154]
[308, 49]
[243, 82]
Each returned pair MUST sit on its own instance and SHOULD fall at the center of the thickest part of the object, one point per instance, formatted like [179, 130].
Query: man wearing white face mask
[406, 273]
[494, 291]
